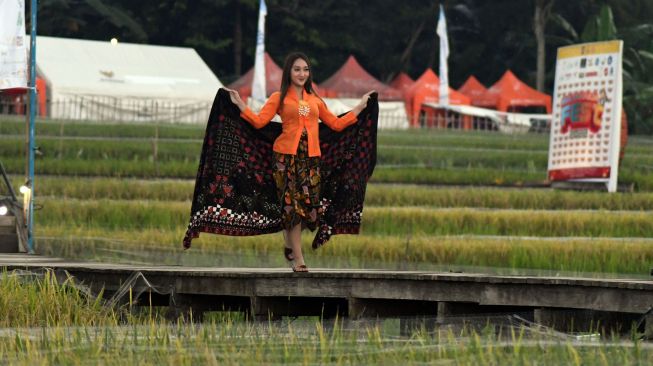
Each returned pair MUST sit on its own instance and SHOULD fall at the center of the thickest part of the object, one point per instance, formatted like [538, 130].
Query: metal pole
[32, 115]
[8, 183]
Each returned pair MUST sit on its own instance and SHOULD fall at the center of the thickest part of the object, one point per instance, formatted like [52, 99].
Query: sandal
[300, 268]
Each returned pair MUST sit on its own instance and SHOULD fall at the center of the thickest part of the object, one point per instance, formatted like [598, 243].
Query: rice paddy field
[44, 321]
[438, 200]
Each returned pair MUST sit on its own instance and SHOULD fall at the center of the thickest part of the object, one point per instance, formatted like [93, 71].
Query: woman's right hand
[363, 103]
[236, 99]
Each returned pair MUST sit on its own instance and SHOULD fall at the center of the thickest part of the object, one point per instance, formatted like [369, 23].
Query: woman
[297, 150]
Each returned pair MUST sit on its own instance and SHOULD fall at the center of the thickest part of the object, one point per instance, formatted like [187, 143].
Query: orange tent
[352, 81]
[477, 92]
[427, 90]
[402, 82]
[510, 93]
[272, 79]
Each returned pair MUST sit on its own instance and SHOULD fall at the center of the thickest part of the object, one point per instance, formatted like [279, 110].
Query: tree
[87, 19]
[542, 14]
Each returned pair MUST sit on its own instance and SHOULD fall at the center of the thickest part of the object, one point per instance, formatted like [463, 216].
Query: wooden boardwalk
[276, 292]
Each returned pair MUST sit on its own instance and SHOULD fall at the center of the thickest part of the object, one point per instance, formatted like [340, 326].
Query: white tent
[98, 80]
[504, 121]
[392, 115]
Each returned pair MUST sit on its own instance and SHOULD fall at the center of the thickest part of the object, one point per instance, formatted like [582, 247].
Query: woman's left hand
[363, 103]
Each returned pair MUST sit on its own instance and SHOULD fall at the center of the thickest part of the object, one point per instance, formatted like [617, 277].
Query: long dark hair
[285, 77]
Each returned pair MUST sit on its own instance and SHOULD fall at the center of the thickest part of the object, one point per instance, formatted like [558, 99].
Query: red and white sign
[586, 122]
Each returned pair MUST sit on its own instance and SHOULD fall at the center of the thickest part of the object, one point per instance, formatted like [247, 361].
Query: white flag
[13, 59]
[258, 82]
[444, 57]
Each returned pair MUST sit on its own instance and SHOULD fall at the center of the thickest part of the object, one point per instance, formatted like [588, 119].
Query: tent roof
[85, 67]
[273, 75]
[402, 82]
[476, 92]
[351, 80]
[428, 85]
[509, 91]
[427, 89]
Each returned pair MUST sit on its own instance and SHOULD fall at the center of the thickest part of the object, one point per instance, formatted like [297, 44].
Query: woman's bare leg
[295, 236]
[288, 243]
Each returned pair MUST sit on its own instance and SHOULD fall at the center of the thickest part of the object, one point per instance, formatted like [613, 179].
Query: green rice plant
[532, 199]
[188, 150]
[500, 159]
[412, 137]
[102, 150]
[137, 168]
[467, 139]
[187, 170]
[103, 129]
[44, 302]
[95, 188]
[309, 342]
[412, 156]
[484, 140]
[642, 180]
[506, 254]
[461, 176]
[135, 214]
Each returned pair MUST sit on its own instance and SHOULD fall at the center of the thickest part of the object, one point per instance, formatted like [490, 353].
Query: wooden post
[264, 308]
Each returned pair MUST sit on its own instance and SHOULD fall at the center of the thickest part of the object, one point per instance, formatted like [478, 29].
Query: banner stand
[587, 114]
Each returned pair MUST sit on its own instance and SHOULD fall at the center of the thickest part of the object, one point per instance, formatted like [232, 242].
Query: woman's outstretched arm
[339, 124]
[264, 116]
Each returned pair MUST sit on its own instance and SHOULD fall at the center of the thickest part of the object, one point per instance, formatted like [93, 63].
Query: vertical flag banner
[444, 58]
[13, 52]
[258, 82]
[587, 106]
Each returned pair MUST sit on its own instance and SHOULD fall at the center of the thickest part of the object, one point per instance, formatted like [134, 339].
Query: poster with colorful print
[586, 123]
[13, 54]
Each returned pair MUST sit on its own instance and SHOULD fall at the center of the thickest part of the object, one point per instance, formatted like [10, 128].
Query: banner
[258, 82]
[13, 52]
[586, 122]
[444, 58]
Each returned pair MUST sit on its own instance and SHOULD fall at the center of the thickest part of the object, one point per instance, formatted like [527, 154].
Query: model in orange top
[297, 149]
[297, 115]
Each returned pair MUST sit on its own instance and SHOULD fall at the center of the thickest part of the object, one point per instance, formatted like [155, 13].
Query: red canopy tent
[427, 90]
[402, 82]
[477, 92]
[352, 81]
[272, 79]
[510, 93]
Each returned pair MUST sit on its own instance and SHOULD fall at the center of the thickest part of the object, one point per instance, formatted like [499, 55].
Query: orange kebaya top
[297, 115]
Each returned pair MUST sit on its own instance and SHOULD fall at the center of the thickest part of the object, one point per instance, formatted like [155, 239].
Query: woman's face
[299, 72]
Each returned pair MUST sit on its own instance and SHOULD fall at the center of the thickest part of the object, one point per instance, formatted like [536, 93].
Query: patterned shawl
[236, 195]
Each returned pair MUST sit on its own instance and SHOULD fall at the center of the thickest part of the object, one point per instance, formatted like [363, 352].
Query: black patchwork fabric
[235, 193]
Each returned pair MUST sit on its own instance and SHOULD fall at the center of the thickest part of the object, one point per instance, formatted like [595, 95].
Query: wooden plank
[373, 287]
[274, 273]
[7, 221]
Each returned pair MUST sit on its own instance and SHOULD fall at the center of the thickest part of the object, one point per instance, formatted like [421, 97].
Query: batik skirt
[297, 178]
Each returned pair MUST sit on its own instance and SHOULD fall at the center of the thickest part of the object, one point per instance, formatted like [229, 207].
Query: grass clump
[42, 301]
